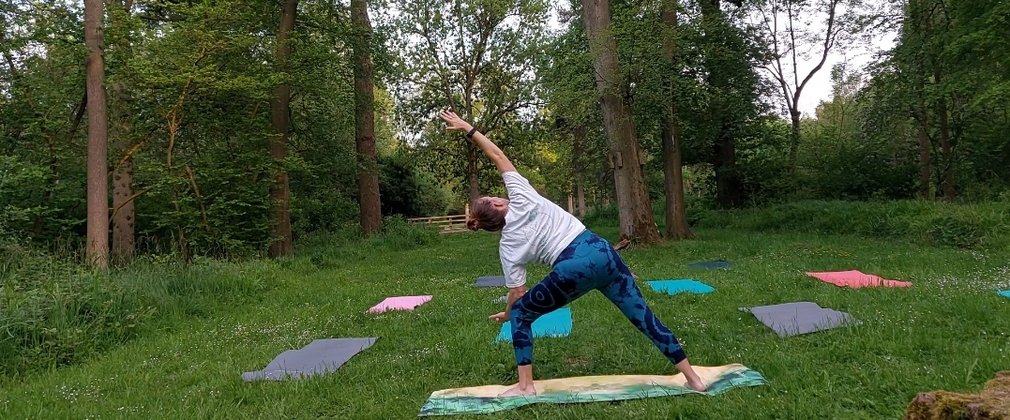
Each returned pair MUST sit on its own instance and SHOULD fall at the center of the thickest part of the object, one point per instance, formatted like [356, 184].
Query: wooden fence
[446, 224]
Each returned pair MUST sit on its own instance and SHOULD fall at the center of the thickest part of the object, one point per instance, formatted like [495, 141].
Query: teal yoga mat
[673, 287]
[553, 324]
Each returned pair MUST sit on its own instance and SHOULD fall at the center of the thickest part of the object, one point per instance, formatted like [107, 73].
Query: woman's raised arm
[455, 123]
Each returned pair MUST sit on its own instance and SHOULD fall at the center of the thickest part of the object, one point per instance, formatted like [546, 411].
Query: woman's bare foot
[516, 391]
[696, 384]
[693, 380]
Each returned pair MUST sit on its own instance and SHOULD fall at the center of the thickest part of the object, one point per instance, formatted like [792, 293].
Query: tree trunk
[123, 209]
[794, 138]
[949, 192]
[123, 212]
[578, 141]
[637, 222]
[364, 99]
[673, 170]
[676, 210]
[281, 243]
[924, 170]
[729, 189]
[473, 183]
[97, 250]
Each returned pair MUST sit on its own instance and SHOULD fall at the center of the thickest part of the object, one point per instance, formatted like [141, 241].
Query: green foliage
[602, 215]
[571, 143]
[410, 191]
[20, 183]
[475, 58]
[841, 161]
[763, 160]
[197, 79]
[928, 223]
[947, 77]
[400, 235]
[56, 313]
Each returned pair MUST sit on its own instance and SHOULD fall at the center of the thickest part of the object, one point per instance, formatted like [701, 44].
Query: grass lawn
[948, 331]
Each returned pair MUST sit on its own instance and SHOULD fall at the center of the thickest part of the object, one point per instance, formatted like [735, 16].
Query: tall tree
[922, 58]
[579, 168]
[923, 144]
[280, 111]
[569, 93]
[635, 212]
[725, 65]
[474, 57]
[788, 27]
[946, 143]
[364, 117]
[123, 208]
[676, 211]
[98, 183]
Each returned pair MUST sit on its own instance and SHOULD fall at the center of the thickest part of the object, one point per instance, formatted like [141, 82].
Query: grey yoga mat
[317, 358]
[711, 265]
[796, 318]
[490, 281]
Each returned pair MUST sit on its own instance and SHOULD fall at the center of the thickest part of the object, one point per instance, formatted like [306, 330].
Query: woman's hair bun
[473, 224]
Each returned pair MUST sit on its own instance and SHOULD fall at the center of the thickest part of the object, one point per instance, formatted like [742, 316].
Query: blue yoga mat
[710, 264]
[1004, 293]
[553, 324]
[673, 287]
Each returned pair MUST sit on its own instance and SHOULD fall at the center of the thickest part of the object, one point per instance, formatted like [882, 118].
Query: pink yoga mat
[856, 279]
[399, 303]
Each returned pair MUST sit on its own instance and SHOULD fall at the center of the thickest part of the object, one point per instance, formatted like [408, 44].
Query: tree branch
[426, 33]
[829, 39]
[792, 38]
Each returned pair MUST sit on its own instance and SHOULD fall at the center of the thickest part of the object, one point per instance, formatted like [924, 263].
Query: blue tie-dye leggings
[588, 263]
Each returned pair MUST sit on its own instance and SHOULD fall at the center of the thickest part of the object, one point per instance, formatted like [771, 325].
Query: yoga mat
[673, 287]
[1004, 293]
[710, 265]
[317, 358]
[490, 281]
[856, 279]
[584, 389]
[796, 318]
[553, 324]
[399, 303]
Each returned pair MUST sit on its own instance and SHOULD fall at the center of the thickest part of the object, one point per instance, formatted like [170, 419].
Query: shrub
[55, 313]
[942, 224]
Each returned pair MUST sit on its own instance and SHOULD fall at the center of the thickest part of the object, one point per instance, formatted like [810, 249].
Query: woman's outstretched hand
[453, 122]
[498, 317]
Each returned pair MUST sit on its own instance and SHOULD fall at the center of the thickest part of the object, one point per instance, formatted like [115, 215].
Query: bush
[602, 215]
[399, 235]
[409, 191]
[55, 313]
[942, 224]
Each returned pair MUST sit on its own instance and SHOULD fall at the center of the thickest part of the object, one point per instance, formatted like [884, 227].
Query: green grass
[949, 331]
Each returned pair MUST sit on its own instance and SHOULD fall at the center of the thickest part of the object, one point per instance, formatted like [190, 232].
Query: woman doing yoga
[534, 229]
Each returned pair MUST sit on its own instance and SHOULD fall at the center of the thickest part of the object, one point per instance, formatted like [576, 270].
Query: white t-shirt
[536, 230]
